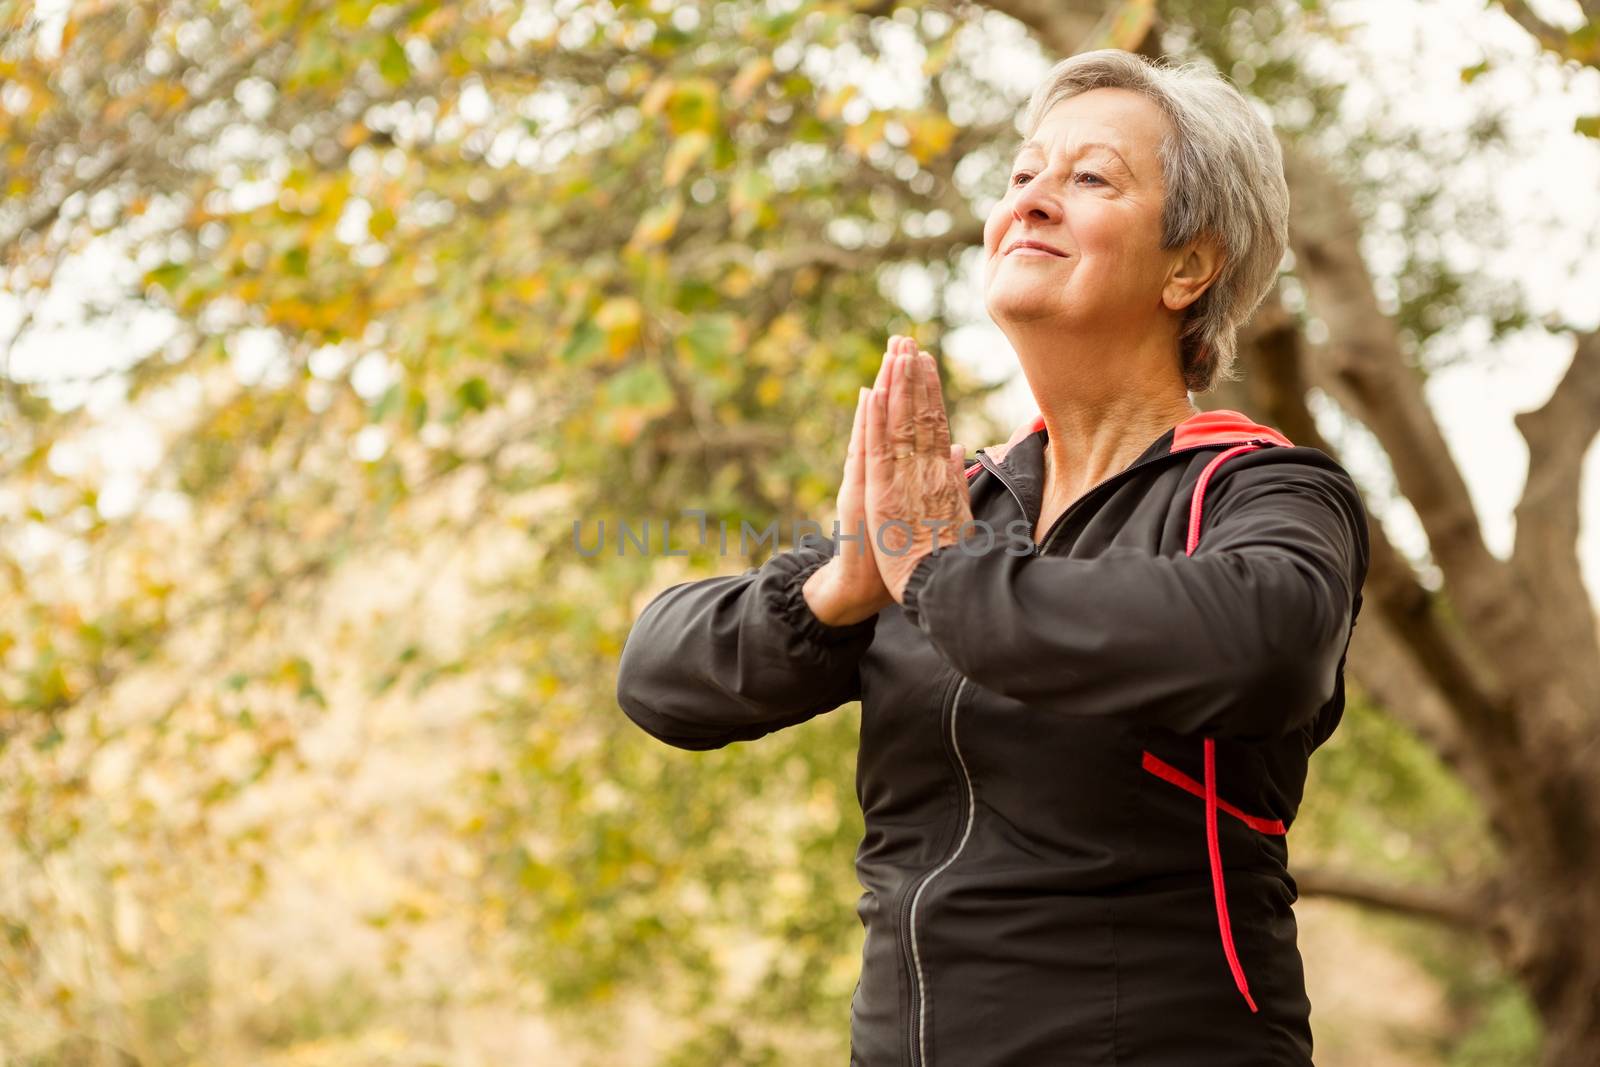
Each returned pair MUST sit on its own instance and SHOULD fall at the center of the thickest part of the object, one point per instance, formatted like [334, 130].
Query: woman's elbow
[1289, 682]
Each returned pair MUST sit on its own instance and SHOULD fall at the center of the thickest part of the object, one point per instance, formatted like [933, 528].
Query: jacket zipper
[917, 1032]
[905, 900]
[994, 468]
[917, 1035]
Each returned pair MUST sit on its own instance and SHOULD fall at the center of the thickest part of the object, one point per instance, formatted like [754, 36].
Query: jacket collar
[1022, 457]
[1222, 426]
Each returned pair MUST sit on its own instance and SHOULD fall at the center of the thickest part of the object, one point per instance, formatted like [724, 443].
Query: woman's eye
[1017, 179]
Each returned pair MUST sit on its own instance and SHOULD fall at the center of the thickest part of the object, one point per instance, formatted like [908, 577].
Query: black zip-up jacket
[1076, 766]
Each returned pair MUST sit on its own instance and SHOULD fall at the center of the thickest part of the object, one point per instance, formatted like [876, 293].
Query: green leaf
[586, 340]
[417, 407]
[388, 403]
[167, 276]
[473, 394]
[392, 61]
[693, 106]
[708, 341]
[642, 385]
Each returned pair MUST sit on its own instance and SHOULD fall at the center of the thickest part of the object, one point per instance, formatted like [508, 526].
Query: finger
[889, 352]
[901, 413]
[853, 489]
[854, 471]
[879, 464]
[938, 418]
[921, 413]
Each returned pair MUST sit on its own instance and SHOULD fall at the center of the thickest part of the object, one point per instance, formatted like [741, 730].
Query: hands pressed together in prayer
[903, 495]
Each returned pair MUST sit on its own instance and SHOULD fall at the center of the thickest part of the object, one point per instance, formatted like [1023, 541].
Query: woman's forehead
[1129, 124]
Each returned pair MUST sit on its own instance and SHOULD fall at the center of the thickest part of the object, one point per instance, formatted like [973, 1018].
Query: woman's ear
[1194, 273]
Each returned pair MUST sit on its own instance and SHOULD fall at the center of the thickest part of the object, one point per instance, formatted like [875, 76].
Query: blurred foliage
[1380, 802]
[308, 739]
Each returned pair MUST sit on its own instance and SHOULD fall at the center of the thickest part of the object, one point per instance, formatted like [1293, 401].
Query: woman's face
[1088, 184]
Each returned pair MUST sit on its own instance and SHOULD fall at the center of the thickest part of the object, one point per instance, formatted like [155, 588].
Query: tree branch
[1067, 27]
[1554, 38]
[1546, 553]
[1463, 910]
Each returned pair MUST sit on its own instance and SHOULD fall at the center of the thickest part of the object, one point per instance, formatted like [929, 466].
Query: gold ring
[898, 454]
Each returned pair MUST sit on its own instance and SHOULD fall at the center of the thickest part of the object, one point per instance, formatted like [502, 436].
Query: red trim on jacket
[1213, 846]
[1222, 426]
[1166, 771]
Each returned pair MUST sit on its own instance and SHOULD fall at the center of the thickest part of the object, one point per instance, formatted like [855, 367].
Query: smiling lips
[1034, 248]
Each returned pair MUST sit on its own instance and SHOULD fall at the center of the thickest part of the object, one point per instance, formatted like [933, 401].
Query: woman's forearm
[735, 658]
[1241, 639]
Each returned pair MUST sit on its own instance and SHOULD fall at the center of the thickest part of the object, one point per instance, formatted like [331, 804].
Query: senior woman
[1078, 757]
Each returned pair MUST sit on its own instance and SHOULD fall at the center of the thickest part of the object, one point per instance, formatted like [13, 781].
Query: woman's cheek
[994, 226]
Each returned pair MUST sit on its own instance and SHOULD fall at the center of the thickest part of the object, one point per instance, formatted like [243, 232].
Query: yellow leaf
[749, 78]
[769, 391]
[657, 224]
[656, 98]
[619, 318]
[685, 151]
[531, 287]
[738, 282]
[1129, 25]
[931, 135]
[862, 136]
[833, 104]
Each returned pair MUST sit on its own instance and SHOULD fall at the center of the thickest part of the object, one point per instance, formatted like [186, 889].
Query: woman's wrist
[831, 605]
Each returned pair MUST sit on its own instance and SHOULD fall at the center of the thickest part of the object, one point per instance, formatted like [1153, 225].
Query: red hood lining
[1220, 427]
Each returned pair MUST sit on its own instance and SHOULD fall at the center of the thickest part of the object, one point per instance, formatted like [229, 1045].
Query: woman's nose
[1035, 203]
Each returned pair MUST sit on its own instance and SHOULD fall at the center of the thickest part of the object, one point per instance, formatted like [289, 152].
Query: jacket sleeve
[1244, 638]
[735, 658]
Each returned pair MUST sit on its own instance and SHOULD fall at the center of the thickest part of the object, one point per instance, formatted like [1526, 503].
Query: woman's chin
[1007, 304]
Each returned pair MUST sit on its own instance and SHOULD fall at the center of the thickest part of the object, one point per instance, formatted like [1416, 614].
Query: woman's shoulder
[1292, 464]
[1299, 483]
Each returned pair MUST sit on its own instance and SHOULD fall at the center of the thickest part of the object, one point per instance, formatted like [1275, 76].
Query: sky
[1548, 188]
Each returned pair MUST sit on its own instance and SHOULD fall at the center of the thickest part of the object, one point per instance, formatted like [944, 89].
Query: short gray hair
[1223, 173]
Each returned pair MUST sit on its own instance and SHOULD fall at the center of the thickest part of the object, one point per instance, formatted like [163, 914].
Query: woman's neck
[1089, 443]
